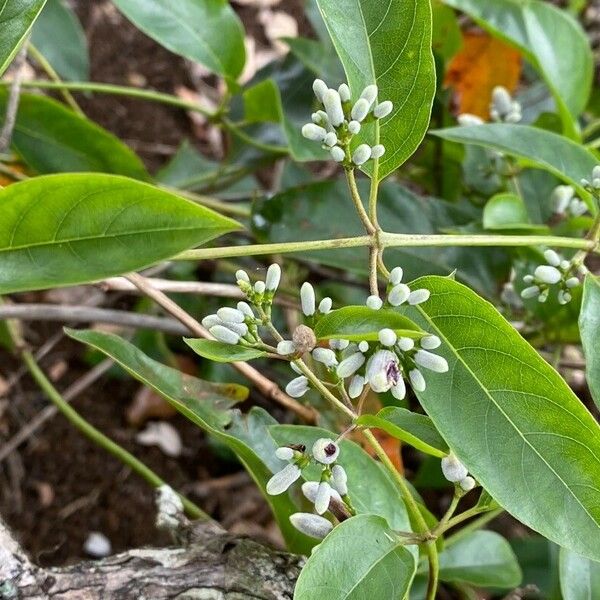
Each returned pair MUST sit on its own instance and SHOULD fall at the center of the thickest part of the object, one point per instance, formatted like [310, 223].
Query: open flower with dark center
[385, 374]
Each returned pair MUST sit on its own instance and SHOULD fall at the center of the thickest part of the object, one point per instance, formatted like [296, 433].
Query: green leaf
[481, 558]
[579, 576]
[317, 56]
[446, 34]
[537, 148]
[247, 436]
[58, 35]
[221, 352]
[410, 427]
[505, 211]
[62, 230]
[360, 558]
[16, 19]
[206, 31]
[261, 103]
[589, 327]
[387, 43]
[511, 418]
[356, 323]
[52, 139]
[551, 40]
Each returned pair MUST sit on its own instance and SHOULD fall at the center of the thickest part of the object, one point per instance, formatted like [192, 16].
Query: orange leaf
[482, 63]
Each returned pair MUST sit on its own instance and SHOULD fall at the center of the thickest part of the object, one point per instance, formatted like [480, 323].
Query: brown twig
[12, 106]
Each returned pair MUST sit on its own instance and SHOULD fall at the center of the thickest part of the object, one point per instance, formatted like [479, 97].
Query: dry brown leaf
[482, 63]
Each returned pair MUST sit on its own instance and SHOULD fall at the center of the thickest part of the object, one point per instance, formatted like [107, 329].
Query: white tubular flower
[431, 361]
[240, 328]
[325, 305]
[344, 92]
[544, 295]
[399, 294]
[325, 356]
[377, 151]
[225, 335]
[210, 321]
[466, 120]
[284, 453]
[260, 287]
[354, 127]
[319, 88]
[337, 154]
[430, 342]
[383, 109]
[357, 385]
[578, 207]
[370, 94]
[467, 484]
[501, 101]
[396, 275]
[350, 365]
[333, 107]
[311, 525]
[418, 296]
[320, 118]
[561, 198]
[286, 347]
[273, 277]
[361, 154]
[230, 315]
[325, 451]
[383, 371]
[399, 390]
[313, 132]
[530, 292]
[546, 274]
[244, 307]
[241, 275]
[330, 139]
[387, 337]
[323, 497]
[307, 299]
[417, 380]
[363, 346]
[283, 479]
[309, 489]
[572, 282]
[552, 258]
[339, 479]
[374, 302]
[297, 387]
[565, 265]
[564, 297]
[406, 344]
[360, 110]
[338, 344]
[453, 469]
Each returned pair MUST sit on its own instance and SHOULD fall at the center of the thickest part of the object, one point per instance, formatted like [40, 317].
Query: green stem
[473, 526]
[248, 139]
[360, 209]
[373, 192]
[218, 205]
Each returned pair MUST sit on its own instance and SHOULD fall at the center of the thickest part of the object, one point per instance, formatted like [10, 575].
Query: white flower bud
[325, 451]
[230, 315]
[225, 335]
[528, 279]
[383, 109]
[319, 88]
[357, 384]
[545, 274]
[338, 344]
[583, 270]
[565, 265]
[577, 207]
[284, 453]
[333, 107]
[399, 390]
[273, 277]
[360, 110]
[210, 321]
[466, 120]
[286, 347]
[399, 294]
[313, 132]
[572, 282]
[314, 526]
[363, 346]
[297, 387]
[330, 139]
[260, 287]
[295, 368]
[396, 275]
[564, 297]
[561, 197]
[431, 361]
[377, 151]
[544, 295]
[325, 305]
[467, 484]
[552, 257]
[387, 337]
[453, 469]
[241, 275]
[418, 297]
[339, 479]
[337, 154]
[323, 497]
[501, 101]
[307, 299]
[310, 488]
[320, 118]
[374, 302]
[406, 344]
[530, 292]
[370, 94]
[283, 479]
[361, 154]
[240, 328]
[354, 127]
[430, 342]
[244, 307]
[350, 365]
[596, 172]
[325, 356]
[417, 380]
[344, 92]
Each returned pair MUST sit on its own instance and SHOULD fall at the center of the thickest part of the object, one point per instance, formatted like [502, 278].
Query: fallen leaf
[278, 24]
[163, 435]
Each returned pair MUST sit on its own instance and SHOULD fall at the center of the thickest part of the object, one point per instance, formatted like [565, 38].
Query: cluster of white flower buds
[565, 202]
[335, 126]
[593, 186]
[503, 108]
[557, 272]
[327, 494]
[455, 472]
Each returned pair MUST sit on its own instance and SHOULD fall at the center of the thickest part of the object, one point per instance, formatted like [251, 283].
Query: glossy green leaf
[505, 211]
[552, 41]
[511, 418]
[62, 230]
[317, 56]
[410, 427]
[261, 103]
[481, 558]
[16, 19]
[589, 327]
[537, 148]
[356, 323]
[58, 35]
[579, 576]
[53, 139]
[360, 558]
[221, 352]
[387, 43]
[207, 405]
[446, 35]
[206, 31]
